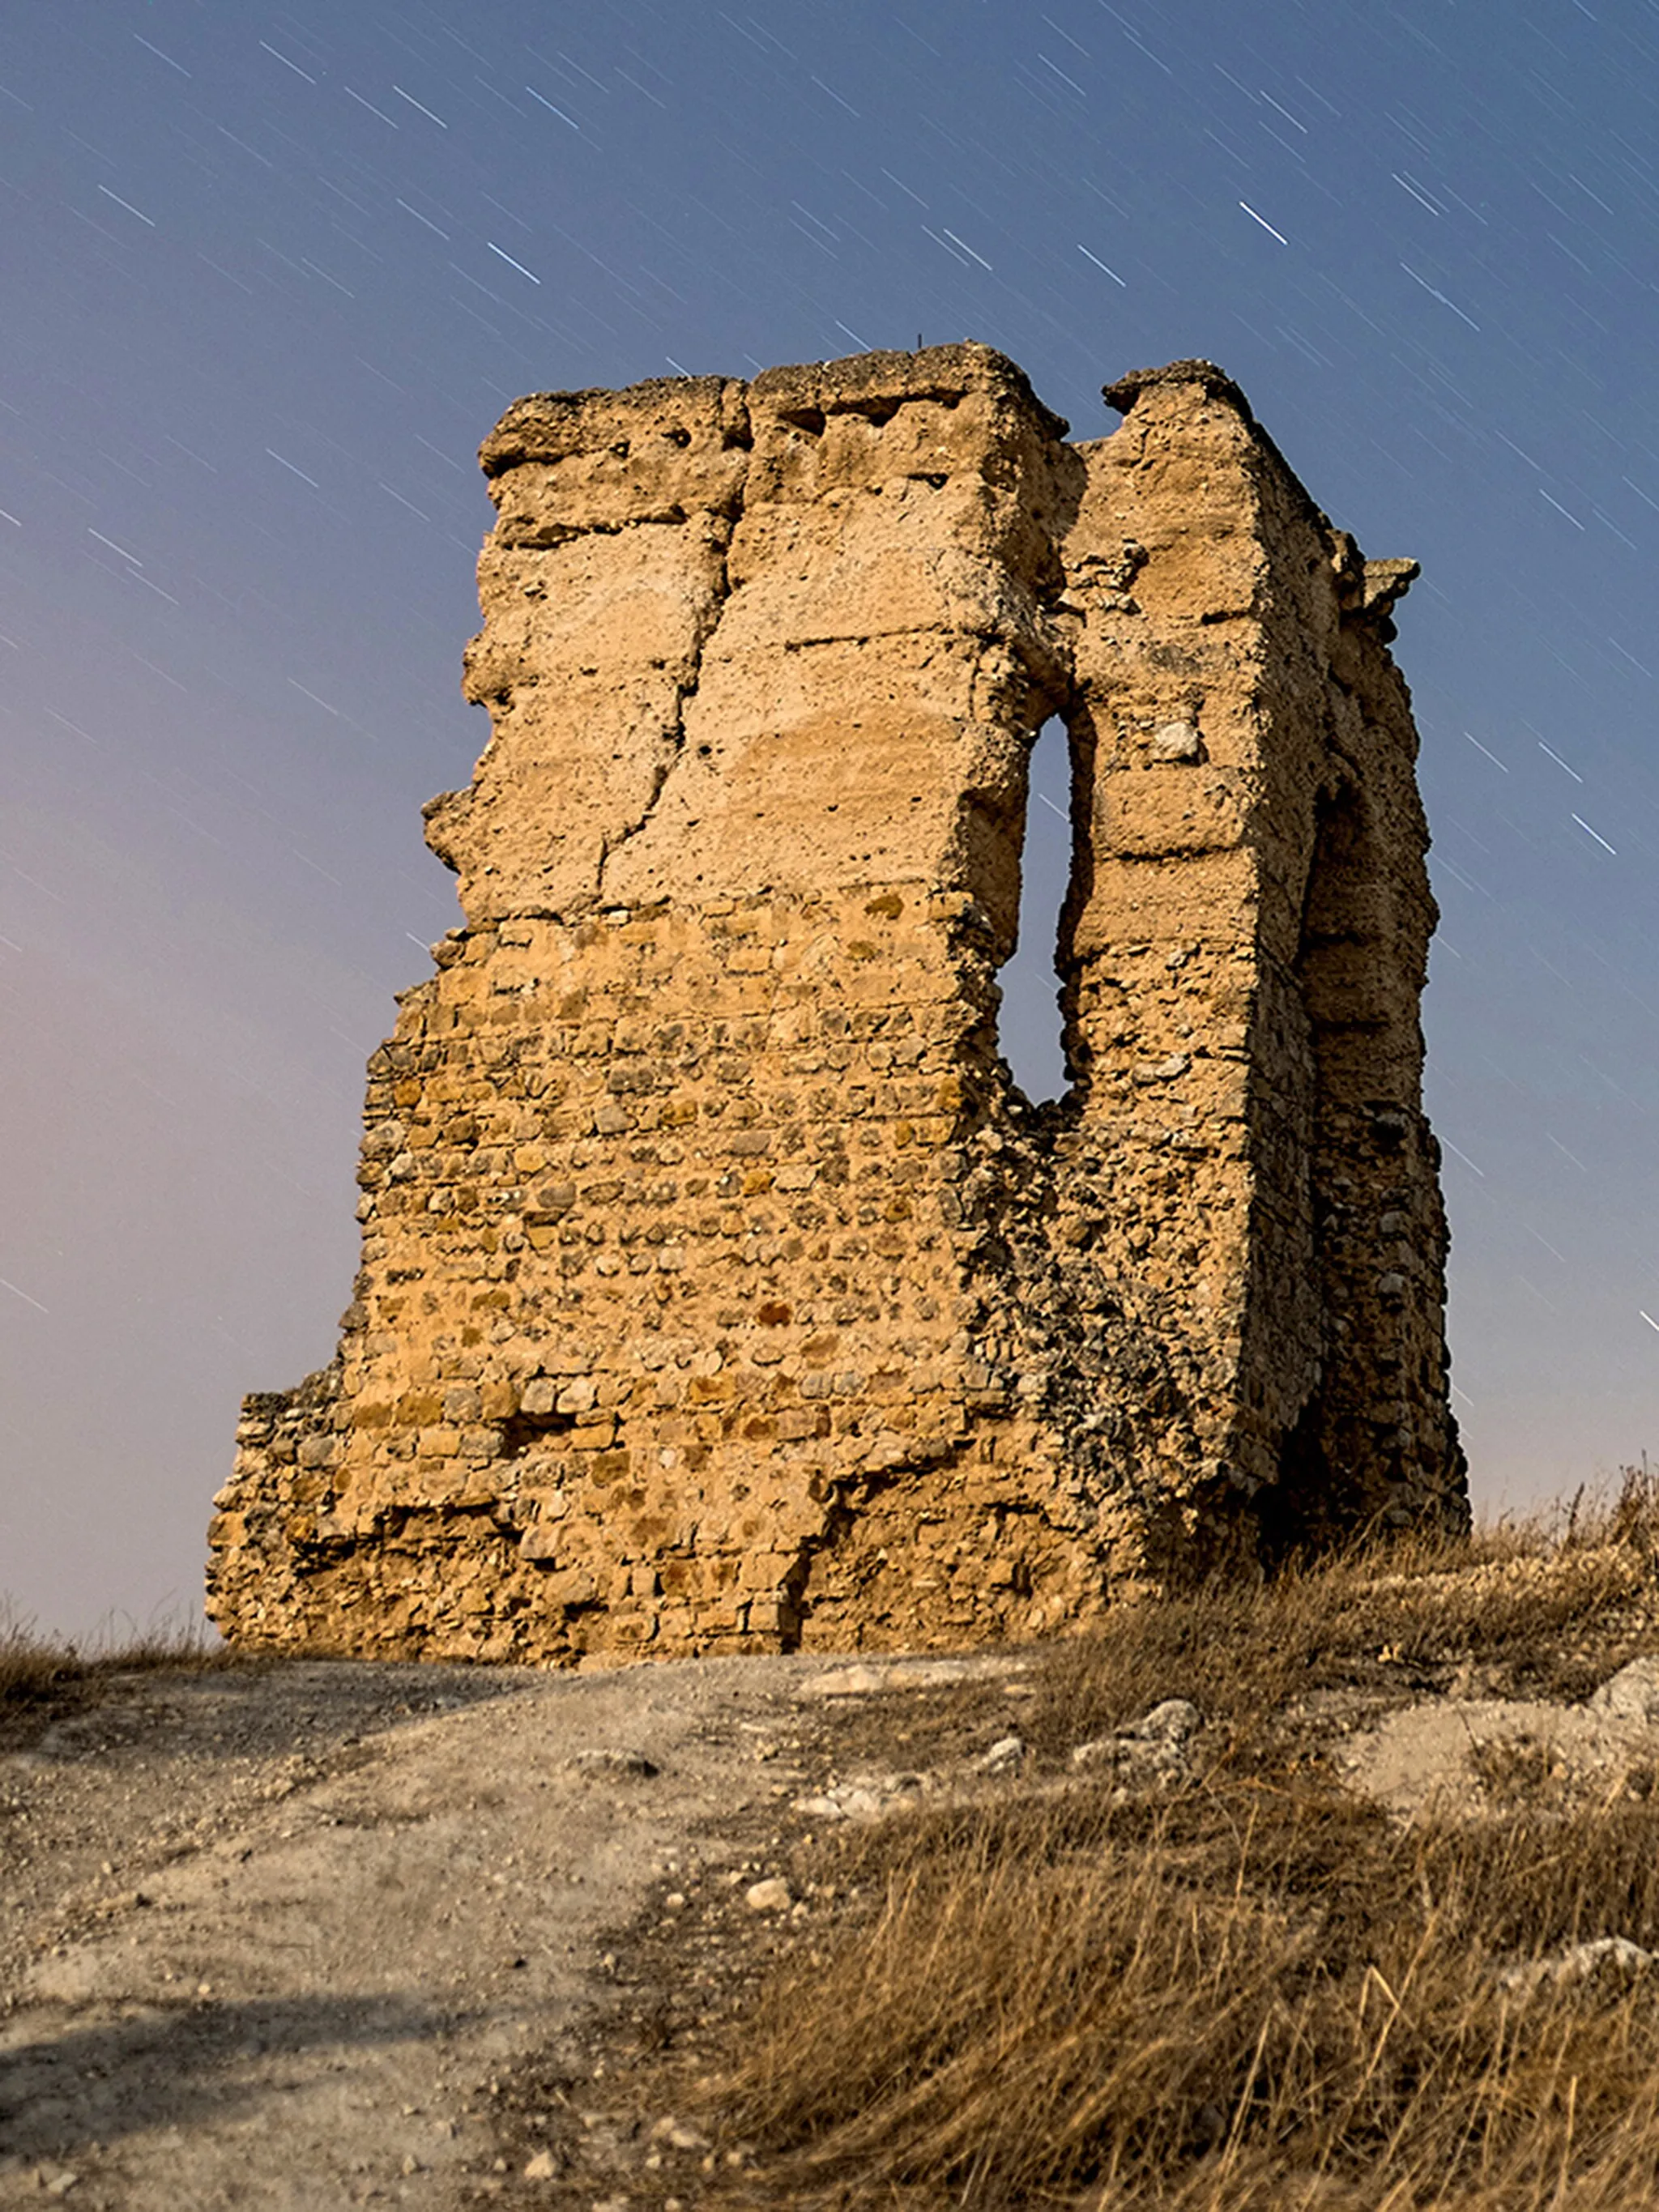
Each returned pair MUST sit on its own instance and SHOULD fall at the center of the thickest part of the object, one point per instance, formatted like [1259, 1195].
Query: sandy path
[265, 1935]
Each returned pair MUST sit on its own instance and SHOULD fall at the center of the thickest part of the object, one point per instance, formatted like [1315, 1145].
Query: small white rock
[1175, 1719]
[678, 2135]
[1631, 1695]
[1099, 1751]
[625, 1763]
[771, 1896]
[1579, 1962]
[542, 2167]
[1006, 1756]
[820, 1808]
[859, 1803]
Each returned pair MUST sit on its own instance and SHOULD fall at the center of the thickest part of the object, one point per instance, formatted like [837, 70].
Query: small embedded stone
[1177, 741]
[771, 1896]
[1163, 1071]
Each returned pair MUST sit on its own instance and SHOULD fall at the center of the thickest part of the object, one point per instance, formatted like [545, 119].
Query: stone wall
[718, 1290]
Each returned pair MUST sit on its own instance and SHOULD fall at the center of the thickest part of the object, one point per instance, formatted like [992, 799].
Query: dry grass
[1521, 1612]
[1232, 2000]
[42, 1676]
[1252, 1991]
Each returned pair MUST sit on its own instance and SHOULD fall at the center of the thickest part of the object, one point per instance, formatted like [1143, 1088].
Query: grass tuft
[42, 1675]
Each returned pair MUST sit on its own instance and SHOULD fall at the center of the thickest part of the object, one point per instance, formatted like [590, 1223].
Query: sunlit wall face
[270, 283]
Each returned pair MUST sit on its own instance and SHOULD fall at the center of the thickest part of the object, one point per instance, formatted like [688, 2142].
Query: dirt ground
[317, 1935]
[284, 1935]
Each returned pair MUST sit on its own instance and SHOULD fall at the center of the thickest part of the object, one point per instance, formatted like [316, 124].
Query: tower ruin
[719, 1289]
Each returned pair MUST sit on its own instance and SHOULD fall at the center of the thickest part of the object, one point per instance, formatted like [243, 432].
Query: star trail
[272, 273]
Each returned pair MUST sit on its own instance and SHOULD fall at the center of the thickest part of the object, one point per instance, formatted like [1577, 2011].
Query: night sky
[269, 275]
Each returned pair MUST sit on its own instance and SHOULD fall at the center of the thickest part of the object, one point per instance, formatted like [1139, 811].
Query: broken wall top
[797, 632]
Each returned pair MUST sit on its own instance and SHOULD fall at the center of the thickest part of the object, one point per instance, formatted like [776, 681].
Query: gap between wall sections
[1028, 1024]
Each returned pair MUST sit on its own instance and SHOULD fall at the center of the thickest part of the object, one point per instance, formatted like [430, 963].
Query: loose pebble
[1006, 1756]
[625, 1763]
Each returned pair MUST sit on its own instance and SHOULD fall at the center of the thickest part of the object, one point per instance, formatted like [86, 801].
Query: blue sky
[272, 275]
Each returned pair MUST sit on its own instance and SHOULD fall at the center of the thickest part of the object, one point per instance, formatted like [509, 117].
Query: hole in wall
[1029, 1025]
[1335, 962]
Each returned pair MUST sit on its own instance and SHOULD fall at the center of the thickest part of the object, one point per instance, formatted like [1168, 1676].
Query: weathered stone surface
[718, 1290]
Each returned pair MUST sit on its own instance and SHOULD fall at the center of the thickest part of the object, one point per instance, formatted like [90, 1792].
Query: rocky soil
[278, 1935]
[317, 1935]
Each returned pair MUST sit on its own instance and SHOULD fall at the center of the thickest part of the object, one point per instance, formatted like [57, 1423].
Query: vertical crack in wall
[726, 522]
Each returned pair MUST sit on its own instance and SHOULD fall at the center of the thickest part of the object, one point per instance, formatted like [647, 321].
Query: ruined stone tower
[719, 1291]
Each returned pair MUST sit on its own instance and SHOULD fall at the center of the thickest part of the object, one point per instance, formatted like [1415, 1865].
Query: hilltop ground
[1340, 1894]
